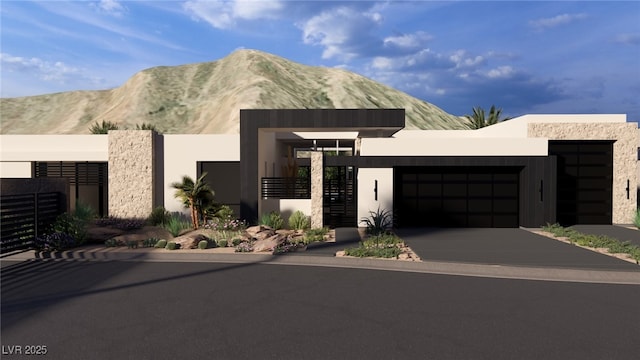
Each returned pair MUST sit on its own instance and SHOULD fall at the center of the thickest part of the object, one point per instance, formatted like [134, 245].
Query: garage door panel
[454, 205]
[462, 196]
[585, 180]
[480, 189]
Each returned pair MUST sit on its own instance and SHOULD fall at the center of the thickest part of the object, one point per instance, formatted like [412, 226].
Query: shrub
[113, 243]
[150, 242]
[72, 226]
[378, 222]
[299, 221]
[84, 212]
[225, 224]
[222, 243]
[103, 128]
[56, 241]
[176, 224]
[244, 246]
[203, 244]
[172, 245]
[362, 251]
[159, 216]
[161, 244]
[236, 242]
[312, 235]
[636, 220]
[272, 220]
[121, 223]
[132, 244]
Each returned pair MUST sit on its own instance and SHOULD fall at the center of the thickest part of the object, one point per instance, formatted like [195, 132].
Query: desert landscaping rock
[269, 243]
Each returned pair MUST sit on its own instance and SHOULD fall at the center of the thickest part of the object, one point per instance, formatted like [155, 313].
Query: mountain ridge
[206, 98]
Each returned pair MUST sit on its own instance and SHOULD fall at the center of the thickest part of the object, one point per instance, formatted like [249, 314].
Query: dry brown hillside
[207, 97]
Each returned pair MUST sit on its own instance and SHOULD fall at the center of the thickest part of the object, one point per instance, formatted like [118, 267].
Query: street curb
[427, 267]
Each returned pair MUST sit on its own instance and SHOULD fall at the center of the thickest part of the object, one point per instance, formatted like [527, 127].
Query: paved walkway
[614, 231]
[511, 247]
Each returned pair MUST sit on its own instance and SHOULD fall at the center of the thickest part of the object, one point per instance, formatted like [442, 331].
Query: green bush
[113, 243]
[203, 244]
[161, 244]
[159, 216]
[636, 220]
[378, 222]
[84, 212]
[176, 224]
[595, 241]
[362, 251]
[272, 220]
[150, 242]
[172, 245]
[313, 235]
[132, 244]
[68, 224]
[236, 242]
[222, 243]
[299, 221]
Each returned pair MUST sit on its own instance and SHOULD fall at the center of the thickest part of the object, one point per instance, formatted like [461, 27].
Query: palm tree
[194, 194]
[478, 119]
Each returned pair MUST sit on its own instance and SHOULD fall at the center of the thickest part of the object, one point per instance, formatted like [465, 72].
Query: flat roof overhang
[367, 122]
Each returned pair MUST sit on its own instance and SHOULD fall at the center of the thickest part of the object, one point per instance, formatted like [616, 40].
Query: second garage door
[456, 196]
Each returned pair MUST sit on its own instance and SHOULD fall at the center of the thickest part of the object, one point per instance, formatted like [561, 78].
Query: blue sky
[523, 56]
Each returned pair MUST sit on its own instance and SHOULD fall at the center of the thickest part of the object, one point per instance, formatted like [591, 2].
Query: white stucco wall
[417, 146]
[366, 195]
[54, 148]
[286, 207]
[15, 169]
[182, 152]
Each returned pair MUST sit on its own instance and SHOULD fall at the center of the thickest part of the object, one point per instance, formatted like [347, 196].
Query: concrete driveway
[517, 247]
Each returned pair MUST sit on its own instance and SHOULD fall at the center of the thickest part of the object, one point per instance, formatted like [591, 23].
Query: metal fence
[286, 188]
[25, 217]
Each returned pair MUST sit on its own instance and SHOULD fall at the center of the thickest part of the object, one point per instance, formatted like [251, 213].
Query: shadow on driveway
[517, 247]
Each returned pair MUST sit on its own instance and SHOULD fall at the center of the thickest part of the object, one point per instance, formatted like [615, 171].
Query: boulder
[264, 234]
[268, 244]
[190, 240]
[253, 230]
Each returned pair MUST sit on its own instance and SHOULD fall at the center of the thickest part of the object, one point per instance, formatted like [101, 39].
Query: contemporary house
[338, 164]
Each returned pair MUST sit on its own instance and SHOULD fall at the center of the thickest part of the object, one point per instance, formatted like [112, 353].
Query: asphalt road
[154, 310]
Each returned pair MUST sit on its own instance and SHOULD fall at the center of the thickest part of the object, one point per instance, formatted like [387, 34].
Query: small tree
[103, 128]
[479, 120]
[194, 195]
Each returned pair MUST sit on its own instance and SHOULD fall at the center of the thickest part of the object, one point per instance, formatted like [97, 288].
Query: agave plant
[378, 222]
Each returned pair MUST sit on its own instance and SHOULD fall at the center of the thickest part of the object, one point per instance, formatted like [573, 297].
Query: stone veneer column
[625, 155]
[131, 173]
[317, 176]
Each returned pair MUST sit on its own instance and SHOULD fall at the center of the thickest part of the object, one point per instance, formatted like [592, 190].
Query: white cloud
[408, 41]
[503, 72]
[563, 19]
[111, 7]
[49, 71]
[223, 14]
[463, 60]
[343, 32]
[629, 39]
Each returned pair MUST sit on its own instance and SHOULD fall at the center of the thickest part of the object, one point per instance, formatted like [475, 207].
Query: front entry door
[338, 196]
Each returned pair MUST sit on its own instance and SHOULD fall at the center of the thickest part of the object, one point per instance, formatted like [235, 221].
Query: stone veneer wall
[131, 173]
[624, 156]
[317, 176]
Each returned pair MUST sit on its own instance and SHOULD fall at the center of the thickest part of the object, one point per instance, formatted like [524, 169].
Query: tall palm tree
[194, 194]
[478, 119]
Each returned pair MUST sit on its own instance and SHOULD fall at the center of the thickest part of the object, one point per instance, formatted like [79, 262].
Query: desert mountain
[207, 97]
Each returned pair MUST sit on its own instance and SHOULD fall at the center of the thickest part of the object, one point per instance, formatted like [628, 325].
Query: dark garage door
[585, 181]
[456, 196]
